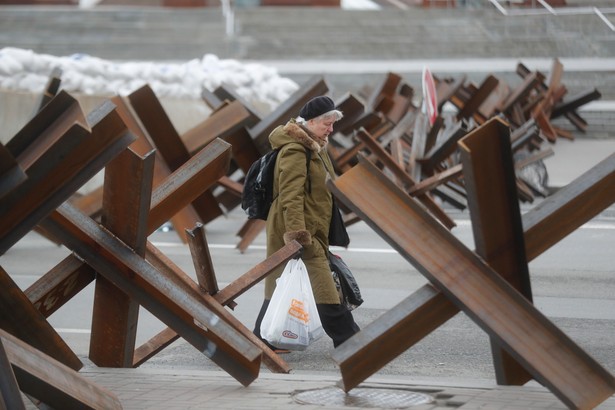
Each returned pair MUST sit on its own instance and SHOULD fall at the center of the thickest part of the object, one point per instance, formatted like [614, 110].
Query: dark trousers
[337, 322]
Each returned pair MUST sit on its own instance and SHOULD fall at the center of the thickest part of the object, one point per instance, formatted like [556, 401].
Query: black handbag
[338, 236]
[350, 294]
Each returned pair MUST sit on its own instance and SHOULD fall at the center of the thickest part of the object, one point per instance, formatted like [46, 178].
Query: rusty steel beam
[76, 157]
[543, 227]
[19, 317]
[154, 346]
[353, 110]
[220, 124]
[51, 88]
[403, 176]
[166, 296]
[240, 285]
[428, 184]
[200, 172]
[11, 174]
[56, 287]
[10, 396]
[544, 350]
[229, 293]
[471, 106]
[164, 264]
[52, 383]
[530, 82]
[201, 258]
[490, 182]
[245, 151]
[61, 115]
[126, 203]
[570, 207]
[169, 145]
[59, 285]
[248, 232]
[183, 218]
[446, 148]
[225, 93]
[489, 177]
[392, 334]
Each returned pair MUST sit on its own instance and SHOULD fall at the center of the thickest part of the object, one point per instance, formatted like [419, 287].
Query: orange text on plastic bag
[297, 309]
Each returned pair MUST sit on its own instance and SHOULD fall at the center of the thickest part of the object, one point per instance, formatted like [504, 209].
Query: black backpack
[257, 194]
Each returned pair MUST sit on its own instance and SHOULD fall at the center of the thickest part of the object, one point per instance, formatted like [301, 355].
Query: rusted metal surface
[126, 203]
[435, 180]
[391, 334]
[228, 94]
[46, 128]
[19, 317]
[404, 177]
[248, 232]
[215, 303]
[183, 218]
[73, 159]
[257, 273]
[53, 384]
[169, 145]
[543, 219]
[471, 106]
[493, 203]
[59, 285]
[489, 176]
[166, 296]
[10, 396]
[200, 172]
[570, 207]
[201, 258]
[220, 124]
[549, 354]
[11, 174]
[51, 89]
[154, 346]
[245, 151]
[353, 110]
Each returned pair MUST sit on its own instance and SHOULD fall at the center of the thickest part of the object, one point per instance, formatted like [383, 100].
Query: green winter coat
[297, 214]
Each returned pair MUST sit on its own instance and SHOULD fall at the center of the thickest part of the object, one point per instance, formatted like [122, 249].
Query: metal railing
[556, 11]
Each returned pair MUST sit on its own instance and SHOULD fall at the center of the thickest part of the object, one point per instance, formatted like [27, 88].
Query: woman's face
[321, 128]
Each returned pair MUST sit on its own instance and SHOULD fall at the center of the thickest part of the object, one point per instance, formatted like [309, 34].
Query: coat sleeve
[292, 174]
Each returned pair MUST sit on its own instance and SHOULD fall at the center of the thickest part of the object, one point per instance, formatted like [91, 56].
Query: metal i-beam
[167, 297]
[404, 177]
[169, 145]
[164, 264]
[126, 203]
[489, 176]
[19, 317]
[11, 174]
[186, 183]
[570, 207]
[544, 225]
[544, 350]
[74, 158]
[10, 396]
[49, 381]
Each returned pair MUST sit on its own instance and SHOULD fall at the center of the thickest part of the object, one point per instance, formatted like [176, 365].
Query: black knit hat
[317, 106]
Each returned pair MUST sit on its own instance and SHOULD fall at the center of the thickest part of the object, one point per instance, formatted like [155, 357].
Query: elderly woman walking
[302, 210]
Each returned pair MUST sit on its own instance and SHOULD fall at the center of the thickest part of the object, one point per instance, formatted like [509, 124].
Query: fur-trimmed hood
[293, 132]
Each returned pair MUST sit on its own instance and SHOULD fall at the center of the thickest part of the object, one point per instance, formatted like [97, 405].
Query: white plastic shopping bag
[291, 320]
